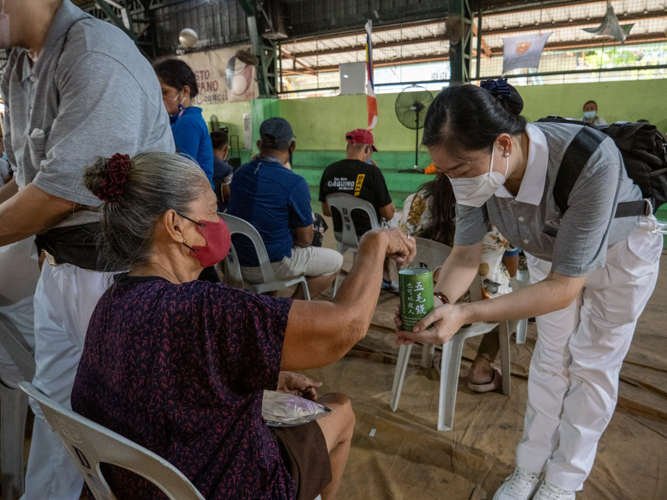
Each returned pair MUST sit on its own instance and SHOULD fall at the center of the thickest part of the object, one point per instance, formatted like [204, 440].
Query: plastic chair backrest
[21, 353]
[432, 254]
[345, 204]
[237, 225]
[91, 445]
[231, 268]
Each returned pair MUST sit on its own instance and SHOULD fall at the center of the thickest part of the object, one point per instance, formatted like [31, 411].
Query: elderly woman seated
[178, 365]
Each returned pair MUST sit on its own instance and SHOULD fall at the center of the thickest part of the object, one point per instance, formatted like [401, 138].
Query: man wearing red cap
[356, 175]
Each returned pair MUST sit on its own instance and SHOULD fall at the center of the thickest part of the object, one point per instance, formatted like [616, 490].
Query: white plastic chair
[432, 254]
[344, 204]
[91, 445]
[13, 411]
[522, 279]
[232, 267]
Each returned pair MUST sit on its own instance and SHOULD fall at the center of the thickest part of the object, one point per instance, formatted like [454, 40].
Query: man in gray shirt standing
[75, 88]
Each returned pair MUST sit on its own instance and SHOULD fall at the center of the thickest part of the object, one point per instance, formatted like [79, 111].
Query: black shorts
[304, 453]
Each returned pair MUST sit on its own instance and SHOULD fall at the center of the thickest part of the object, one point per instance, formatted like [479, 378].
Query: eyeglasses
[200, 224]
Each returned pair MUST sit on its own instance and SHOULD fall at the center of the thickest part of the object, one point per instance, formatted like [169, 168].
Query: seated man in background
[222, 171]
[276, 201]
[356, 175]
[359, 175]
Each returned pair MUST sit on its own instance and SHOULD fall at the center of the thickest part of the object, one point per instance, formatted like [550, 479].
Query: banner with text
[222, 77]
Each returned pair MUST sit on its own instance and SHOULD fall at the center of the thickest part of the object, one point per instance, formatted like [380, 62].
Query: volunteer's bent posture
[75, 88]
[591, 274]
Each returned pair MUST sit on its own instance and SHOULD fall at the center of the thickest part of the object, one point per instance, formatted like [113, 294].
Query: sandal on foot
[494, 384]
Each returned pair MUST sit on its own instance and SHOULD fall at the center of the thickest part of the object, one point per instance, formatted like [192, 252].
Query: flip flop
[495, 383]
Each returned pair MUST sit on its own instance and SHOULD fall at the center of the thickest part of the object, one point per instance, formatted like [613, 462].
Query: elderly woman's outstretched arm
[319, 333]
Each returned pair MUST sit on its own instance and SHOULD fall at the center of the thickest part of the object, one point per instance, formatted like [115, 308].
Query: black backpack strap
[633, 209]
[575, 158]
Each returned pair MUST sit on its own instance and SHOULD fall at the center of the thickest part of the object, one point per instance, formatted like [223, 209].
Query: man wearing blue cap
[276, 201]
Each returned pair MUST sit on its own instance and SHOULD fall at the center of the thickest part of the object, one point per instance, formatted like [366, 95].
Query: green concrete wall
[321, 122]
[229, 114]
[617, 101]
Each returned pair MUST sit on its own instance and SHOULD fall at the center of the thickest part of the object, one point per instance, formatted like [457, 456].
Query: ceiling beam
[376, 46]
[358, 30]
[486, 50]
[498, 51]
[308, 69]
[507, 7]
[581, 23]
[380, 64]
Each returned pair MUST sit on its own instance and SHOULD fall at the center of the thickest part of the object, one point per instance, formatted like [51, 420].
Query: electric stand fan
[411, 107]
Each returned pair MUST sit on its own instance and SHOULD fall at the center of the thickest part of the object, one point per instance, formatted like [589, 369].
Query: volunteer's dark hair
[440, 195]
[591, 102]
[177, 74]
[219, 139]
[467, 118]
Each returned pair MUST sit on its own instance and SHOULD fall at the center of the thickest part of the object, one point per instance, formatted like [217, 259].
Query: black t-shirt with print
[358, 179]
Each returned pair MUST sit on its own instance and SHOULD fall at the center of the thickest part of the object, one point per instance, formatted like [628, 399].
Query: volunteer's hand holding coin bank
[437, 327]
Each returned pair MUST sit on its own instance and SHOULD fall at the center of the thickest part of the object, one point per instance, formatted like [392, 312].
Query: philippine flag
[371, 101]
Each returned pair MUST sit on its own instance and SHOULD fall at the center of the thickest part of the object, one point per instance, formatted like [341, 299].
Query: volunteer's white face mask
[475, 191]
[4, 28]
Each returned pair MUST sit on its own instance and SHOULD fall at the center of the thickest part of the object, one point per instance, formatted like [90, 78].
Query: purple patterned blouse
[180, 369]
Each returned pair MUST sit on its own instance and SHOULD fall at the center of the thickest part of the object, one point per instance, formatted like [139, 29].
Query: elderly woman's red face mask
[218, 241]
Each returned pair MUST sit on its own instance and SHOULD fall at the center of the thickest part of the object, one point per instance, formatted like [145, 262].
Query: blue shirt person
[179, 87]
[276, 201]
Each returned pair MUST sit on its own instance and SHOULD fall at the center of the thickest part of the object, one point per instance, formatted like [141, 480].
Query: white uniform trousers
[19, 273]
[574, 372]
[65, 298]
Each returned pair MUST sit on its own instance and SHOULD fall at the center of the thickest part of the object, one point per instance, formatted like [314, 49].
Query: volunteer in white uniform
[591, 273]
[75, 88]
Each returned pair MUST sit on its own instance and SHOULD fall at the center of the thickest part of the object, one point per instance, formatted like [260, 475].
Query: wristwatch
[442, 297]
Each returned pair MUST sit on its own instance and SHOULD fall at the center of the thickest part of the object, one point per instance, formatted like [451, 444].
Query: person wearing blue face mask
[179, 87]
[591, 114]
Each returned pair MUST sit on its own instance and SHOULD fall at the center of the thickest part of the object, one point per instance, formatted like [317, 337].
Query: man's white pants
[19, 272]
[574, 372]
[65, 298]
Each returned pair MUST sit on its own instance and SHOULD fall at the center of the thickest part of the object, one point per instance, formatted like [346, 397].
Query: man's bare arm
[29, 212]
[8, 190]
